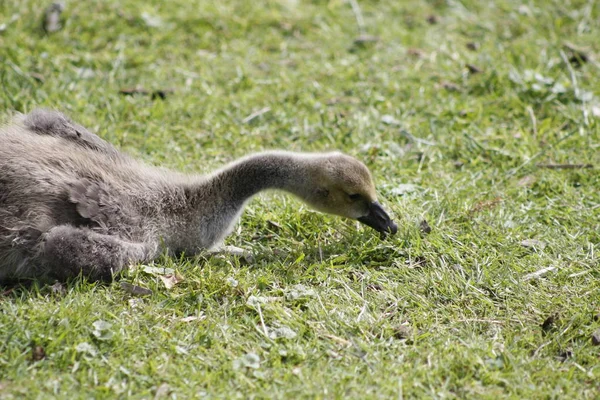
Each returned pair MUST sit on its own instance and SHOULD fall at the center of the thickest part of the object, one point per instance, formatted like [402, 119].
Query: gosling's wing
[94, 201]
[53, 123]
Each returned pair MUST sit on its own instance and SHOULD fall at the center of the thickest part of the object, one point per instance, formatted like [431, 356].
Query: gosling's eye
[354, 197]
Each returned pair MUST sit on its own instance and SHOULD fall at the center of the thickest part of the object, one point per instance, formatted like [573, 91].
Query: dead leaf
[52, 22]
[526, 181]
[343, 100]
[134, 90]
[473, 46]
[417, 53]
[565, 355]
[231, 281]
[38, 77]
[374, 287]
[38, 353]
[171, 280]
[389, 120]
[402, 332]
[338, 339]
[533, 244]
[249, 360]
[424, 227]
[162, 391]
[417, 262]
[433, 19]
[161, 94]
[190, 318]
[486, 205]
[404, 188]
[158, 93]
[152, 21]
[365, 39]
[273, 225]
[135, 289]
[473, 69]
[577, 55]
[242, 254]
[155, 271]
[565, 166]
[281, 332]
[550, 322]
[102, 330]
[596, 338]
[450, 86]
[86, 348]
[58, 289]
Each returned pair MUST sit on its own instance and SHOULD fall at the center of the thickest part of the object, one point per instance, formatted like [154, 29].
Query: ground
[479, 117]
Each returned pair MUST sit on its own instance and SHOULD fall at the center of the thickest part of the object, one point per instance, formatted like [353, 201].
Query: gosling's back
[41, 175]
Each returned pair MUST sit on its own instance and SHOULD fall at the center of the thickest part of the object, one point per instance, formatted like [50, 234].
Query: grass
[328, 309]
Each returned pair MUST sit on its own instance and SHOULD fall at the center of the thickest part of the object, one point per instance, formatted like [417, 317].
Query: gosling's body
[71, 203]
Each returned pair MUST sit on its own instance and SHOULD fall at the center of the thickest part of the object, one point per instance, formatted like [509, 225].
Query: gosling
[71, 204]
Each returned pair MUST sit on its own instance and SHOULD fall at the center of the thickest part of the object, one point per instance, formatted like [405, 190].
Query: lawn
[481, 123]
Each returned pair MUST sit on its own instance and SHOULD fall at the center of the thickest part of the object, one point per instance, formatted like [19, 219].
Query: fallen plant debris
[37, 353]
[232, 251]
[539, 273]
[38, 77]
[433, 19]
[402, 332]
[473, 46]
[564, 355]
[550, 323]
[52, 21]
[171, 280]
[596, 338]
[343, 100]
[485, 205]
[416, 53]
[577, 55]
[154, 94]
[424, 227]
[135, 289]
[565, 166]
[533, 244]
[473, 69]
[526, 181]
[450, 86]
[365, 39]
[102, 330]
[162, 391]
[58, 289]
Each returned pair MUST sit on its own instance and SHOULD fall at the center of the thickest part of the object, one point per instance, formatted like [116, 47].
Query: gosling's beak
[378, 219]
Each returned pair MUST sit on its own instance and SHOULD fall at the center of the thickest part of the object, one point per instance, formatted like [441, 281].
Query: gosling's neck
[244, 178]
[211, 204]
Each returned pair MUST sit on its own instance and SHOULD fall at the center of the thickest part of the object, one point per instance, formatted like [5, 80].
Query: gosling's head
[342, 185]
